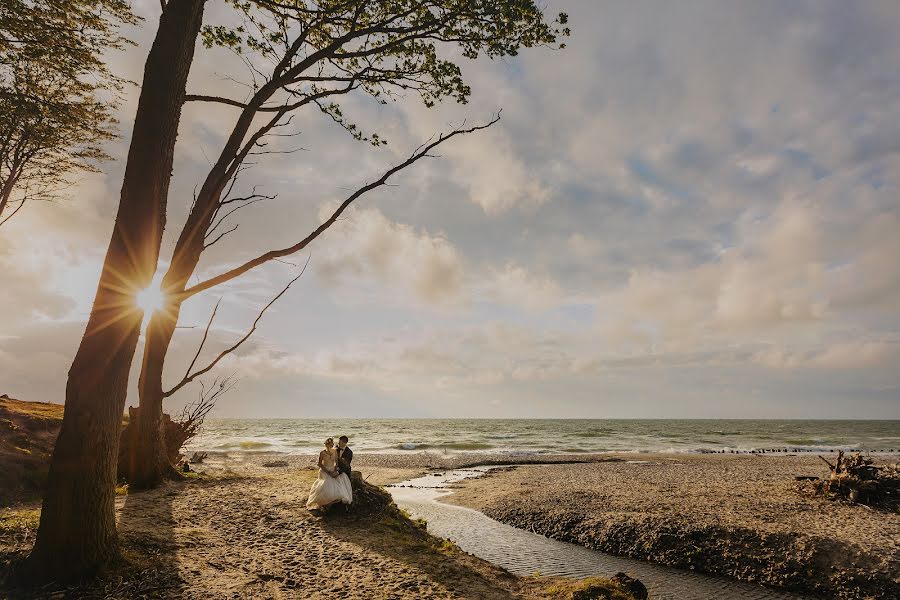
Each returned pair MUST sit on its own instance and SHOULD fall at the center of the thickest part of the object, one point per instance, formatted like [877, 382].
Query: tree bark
[6, 191]
[149, 464]
[77, 532]
[148, 461]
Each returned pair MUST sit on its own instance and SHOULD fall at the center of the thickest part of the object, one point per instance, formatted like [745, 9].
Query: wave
[253, 445]
[593, 433]
[410, 446]
[466, 446]
[446, 446]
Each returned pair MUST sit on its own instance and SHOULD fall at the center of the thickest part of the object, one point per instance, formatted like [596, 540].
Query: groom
[344, 457]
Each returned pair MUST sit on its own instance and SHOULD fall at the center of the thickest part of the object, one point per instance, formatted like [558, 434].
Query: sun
[150, 299]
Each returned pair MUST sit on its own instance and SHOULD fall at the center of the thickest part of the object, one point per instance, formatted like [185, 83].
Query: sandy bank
[741, 516]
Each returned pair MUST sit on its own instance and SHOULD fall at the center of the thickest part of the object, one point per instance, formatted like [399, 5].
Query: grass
[17, 521]
[420, 523]
[39, 410]
[599, 588]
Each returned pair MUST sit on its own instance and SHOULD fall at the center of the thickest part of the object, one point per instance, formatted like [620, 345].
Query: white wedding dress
[328, 489]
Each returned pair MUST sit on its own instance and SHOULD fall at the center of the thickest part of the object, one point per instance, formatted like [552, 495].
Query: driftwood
[858, 480]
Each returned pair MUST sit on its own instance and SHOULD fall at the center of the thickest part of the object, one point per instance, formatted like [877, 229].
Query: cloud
[496, 179]
[367, 248]
[854, 354]
[513, 285]
[667, 213]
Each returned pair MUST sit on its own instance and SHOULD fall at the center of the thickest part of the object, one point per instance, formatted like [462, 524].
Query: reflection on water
[524, 553]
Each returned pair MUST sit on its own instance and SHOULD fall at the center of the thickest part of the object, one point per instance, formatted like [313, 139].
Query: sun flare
[150, 299]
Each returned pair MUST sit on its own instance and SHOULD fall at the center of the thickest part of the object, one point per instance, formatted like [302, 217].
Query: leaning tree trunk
[77, 532]
[148, 463]
[148, 460]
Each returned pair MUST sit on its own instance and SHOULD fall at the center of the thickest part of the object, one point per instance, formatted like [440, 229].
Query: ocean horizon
[542, 436]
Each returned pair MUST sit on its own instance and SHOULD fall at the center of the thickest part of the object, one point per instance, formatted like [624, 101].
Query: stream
[525, 553]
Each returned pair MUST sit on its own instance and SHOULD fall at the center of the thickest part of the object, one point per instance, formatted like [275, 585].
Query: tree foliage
[303, 51]
[56, 93]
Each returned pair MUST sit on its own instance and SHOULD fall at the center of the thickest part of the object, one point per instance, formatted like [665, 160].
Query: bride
[331, 486]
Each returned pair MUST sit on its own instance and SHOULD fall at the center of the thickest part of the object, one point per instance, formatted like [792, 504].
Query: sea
[547, 436]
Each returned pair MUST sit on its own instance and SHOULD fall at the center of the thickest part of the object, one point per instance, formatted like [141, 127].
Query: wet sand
[741, 516]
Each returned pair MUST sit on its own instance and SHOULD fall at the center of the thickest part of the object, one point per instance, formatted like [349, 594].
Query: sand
[250, 536]
[241, 530]
[741, 516]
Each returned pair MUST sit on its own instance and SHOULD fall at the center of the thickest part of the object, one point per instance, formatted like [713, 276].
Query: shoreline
[460, 459]
[743, 517]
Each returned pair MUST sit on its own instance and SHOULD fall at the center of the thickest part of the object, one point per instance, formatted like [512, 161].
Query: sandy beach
[250, 536]
[741, 516]
[238, 527]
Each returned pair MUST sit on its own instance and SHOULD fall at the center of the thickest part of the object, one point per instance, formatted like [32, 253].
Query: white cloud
[366, 247]
[513, 285]
[725, 196]
[496, 179]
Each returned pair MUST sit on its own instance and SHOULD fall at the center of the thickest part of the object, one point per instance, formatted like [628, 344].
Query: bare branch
[190, 377]
[203, 341]
[220, 236]
[192, 415]
[13, 213]
[420, 152]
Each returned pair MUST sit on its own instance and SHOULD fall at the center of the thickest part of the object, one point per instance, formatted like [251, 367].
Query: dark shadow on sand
[147, 537]
[393, 535]
[147, 568]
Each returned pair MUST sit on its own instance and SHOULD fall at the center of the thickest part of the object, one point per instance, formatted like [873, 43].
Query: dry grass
[599, 588]
[37, 410]
[27, 434]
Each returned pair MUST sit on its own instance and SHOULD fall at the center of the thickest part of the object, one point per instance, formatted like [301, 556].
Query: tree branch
[189, 377]
[420, 152]
[13, 213]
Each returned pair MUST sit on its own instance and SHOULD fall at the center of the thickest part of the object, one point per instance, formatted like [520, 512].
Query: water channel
[526, 553]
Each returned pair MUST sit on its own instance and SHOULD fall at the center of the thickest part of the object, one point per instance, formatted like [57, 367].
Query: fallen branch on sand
[857, 479]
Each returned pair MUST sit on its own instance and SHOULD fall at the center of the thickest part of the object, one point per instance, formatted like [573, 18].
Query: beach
[250, 536]
[740, 516]
[238, 527]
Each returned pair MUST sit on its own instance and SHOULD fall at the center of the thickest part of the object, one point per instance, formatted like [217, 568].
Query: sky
[691, 211]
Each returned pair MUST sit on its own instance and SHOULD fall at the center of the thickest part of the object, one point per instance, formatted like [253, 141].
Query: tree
[77, 532]
[56, 93]
[310, 54]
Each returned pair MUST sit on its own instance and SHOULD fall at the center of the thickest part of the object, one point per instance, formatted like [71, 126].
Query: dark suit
[345, 457]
